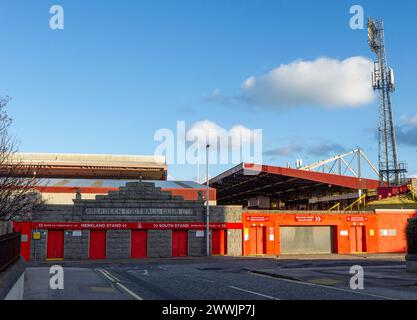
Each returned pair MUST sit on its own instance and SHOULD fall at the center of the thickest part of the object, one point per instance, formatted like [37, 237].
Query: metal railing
[9, 249]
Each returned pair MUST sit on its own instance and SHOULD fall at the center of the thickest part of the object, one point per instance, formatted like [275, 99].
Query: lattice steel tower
[383, 81]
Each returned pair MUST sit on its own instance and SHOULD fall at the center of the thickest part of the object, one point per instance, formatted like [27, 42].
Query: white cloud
[285, 151]
[207, 131]
[324, 82]
[322, 148]
[233, 146]
[410, 120]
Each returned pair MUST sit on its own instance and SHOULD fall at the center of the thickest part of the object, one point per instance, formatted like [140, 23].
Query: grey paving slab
[79, 284]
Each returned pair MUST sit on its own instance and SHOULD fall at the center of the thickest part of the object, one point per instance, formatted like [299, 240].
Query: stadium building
[106, 206]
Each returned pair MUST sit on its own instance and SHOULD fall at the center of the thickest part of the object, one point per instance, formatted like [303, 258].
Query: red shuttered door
[357, 239]
[55, 246]
[139, 244]
[219, 242]
[179, 243]
[257, 240]
[97, 244]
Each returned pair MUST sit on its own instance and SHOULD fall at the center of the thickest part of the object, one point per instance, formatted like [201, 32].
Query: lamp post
[207, 203]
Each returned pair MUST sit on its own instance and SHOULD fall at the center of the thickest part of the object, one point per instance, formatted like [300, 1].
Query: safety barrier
[9, 249]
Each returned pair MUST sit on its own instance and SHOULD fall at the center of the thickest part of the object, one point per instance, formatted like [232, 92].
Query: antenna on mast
[391, 172]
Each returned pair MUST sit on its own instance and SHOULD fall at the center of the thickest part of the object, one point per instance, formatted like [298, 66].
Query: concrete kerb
[274, 275]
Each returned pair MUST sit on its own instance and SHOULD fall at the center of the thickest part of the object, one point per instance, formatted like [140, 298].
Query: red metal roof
[250, 180]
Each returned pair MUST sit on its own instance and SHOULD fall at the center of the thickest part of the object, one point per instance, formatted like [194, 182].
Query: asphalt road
[222, 278]
[218, 280]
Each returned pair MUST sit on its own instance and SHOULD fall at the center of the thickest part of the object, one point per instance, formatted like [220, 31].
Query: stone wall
[159, 243]
[38, 247]
[136, 202]
[196, 245]
[76, 247]
[118, 244]
[226, 214]
[234, 242]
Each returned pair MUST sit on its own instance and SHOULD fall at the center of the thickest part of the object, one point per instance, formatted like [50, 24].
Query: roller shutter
[306, 239]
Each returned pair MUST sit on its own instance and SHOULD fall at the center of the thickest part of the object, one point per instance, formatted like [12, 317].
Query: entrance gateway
[136, 221]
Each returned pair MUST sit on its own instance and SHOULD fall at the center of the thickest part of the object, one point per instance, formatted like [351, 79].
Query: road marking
[255, 293]
[108, 277]
[134, 295]
[111, 275]
[323, 286]
[117, 282]
[139, 272]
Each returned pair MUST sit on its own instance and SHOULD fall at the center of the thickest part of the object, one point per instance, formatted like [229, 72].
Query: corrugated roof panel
[113, 183]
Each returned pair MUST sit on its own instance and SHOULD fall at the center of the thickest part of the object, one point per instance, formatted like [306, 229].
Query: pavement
[323, 277]
[79, 284]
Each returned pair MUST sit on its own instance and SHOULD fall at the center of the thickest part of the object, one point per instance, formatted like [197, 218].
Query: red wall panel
[55, 244]
[139, 244]
[372, 224]
[179, 243]
[97, 244]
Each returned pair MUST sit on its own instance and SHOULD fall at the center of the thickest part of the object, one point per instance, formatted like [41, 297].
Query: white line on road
[134, 295]
[116, 281]
[108, 277]
[255, 293]
[111, 275]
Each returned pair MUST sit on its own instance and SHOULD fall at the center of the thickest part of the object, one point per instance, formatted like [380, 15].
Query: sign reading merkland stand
[308, 218]
[135, 225]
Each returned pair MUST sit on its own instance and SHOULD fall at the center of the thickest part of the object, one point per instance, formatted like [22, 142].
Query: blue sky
[120, 71]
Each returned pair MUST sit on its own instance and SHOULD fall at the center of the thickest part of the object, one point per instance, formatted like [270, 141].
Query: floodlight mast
[383, 82]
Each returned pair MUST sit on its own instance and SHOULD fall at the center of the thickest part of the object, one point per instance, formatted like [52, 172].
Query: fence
[9, 249]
